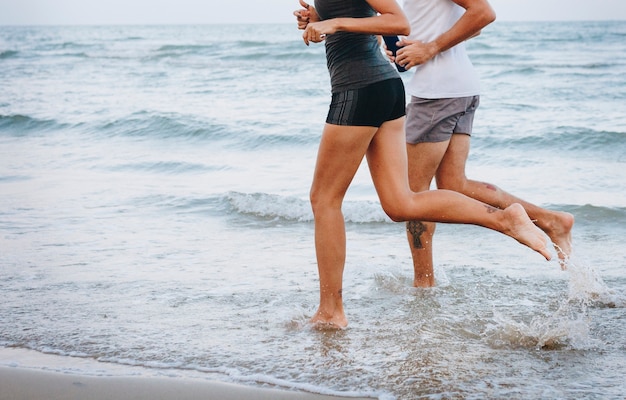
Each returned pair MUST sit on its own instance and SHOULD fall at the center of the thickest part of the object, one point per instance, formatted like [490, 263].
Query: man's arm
[478, 14]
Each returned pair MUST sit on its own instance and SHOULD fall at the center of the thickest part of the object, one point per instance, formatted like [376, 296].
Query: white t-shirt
[450, 73]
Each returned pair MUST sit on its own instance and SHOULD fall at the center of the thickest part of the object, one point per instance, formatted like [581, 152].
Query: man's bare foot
[424, 280]
[559, 230]
[324, 321]
[522, 229]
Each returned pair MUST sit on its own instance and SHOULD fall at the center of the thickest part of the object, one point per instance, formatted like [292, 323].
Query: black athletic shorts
[369, 106]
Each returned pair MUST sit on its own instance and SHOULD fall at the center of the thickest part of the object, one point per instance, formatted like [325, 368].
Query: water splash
[569, 325]
[586, 286]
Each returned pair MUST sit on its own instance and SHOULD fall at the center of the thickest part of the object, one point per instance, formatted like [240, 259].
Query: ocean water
[154, 213]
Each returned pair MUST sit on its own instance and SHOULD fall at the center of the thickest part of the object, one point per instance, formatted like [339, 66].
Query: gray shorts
[435, 120]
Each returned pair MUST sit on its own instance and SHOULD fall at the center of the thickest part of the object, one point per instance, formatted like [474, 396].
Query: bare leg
[420, 236]
[340, 154]
[423, 162]
[387, 159]
[556, 224]
[330, 248]
[451, 175]
[341, 150]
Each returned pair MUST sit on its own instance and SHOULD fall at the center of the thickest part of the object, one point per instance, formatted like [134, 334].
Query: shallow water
[154, 213]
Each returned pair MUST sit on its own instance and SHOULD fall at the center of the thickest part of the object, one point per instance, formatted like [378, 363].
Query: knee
[321, 201]
[395, 212]
[455, 183]
[315, 199]
[397, 205]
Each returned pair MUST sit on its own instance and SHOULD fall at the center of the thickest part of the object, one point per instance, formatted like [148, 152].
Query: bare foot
[325, 321]
[424, 280]
[559, 230]
[522, 229]
[326, 326]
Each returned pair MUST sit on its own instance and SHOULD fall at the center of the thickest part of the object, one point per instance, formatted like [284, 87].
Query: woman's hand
[316, 32]
[305, 15]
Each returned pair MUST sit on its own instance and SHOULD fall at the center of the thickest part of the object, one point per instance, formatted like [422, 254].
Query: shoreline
[22, 378]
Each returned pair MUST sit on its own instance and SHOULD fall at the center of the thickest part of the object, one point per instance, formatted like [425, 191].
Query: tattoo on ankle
[491, 209]
[340, 293]
[416, 228]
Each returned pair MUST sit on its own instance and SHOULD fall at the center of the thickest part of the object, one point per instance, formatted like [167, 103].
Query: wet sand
[28, 375]
[27, 384]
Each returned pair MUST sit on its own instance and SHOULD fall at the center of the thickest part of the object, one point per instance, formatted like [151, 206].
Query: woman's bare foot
[521, 228]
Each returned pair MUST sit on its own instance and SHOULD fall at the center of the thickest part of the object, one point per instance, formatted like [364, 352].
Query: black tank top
[354, 60]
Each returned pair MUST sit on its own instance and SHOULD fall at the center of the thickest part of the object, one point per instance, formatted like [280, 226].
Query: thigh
[387, 161]
[424, 160]
[451, 171]
[340, 153]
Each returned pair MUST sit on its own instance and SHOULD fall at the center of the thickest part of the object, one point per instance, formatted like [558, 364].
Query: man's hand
[414, 52]
[389, 53]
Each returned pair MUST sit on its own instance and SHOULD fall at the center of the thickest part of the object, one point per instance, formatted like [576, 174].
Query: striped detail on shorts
[345, 109]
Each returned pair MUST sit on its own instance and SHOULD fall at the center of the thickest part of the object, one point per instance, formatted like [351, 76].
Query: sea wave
[159, 126]
[163, 126]
[270, 53]
[185, 50]
[276, 208]
[242, 50]
[189, 127]
[282, 208]
[579, 140]
[66, 49]
[596, 214]
[262, 208]
[14, 178]
[517, 71]
[165, 167]
[575, 138]
[263, 55]
[185, 47]
[70, 45]
[266, 207]
[8, 54]
[19, 125]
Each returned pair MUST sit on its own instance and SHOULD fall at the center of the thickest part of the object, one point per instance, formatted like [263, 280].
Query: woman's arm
[389, 21]
[305, 15]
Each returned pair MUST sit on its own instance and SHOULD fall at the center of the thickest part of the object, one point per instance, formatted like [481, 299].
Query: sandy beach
[28, 375]
[26, 384]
